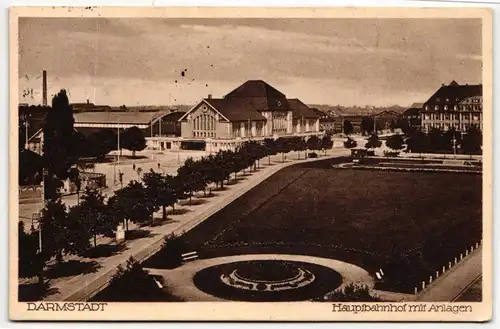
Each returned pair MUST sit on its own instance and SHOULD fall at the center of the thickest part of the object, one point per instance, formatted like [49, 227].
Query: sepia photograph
[329, 158]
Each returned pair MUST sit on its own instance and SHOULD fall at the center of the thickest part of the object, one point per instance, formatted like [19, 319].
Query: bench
[189, 256]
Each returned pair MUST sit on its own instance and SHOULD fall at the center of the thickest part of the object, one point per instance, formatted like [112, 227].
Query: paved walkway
[179, 281]
[82, 286]
[473, 293]
[453, 283]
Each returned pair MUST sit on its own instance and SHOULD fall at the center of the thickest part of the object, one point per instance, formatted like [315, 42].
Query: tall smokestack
[44, 87]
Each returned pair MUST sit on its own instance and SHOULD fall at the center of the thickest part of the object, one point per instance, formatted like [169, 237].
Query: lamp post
[178, 151]
[24, 117]
[454, 147]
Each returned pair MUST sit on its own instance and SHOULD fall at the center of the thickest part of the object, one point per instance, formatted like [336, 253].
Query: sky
[156, 61]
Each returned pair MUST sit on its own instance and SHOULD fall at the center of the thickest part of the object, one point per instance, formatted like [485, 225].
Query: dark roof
[412, 111]
[388, 114]
[264, 96]
[117, 117]
[455, 93]
[300, 109]
[255, 88]
[417, 106]
[172, 116]
[237, 109]
[255, 96]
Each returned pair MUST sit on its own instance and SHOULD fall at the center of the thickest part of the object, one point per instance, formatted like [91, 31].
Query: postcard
[250, 164]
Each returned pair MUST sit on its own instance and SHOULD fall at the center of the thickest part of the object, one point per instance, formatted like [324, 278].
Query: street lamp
[454, 147]
[25, 117]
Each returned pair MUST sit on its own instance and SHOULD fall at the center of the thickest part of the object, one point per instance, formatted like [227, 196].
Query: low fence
[90, 179]
[445, 268]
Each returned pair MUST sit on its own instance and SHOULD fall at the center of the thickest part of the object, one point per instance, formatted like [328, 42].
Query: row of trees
[436, 141]
[71, 231]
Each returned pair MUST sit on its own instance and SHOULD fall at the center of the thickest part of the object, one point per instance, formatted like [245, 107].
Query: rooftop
[115, 117]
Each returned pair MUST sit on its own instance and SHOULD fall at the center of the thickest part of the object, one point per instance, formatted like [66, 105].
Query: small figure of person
[158, 165]
[133, 166]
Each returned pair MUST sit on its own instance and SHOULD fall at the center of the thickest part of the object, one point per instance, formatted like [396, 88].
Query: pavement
[179, 281]
[85, 276]
[473, 293]
[455, 281]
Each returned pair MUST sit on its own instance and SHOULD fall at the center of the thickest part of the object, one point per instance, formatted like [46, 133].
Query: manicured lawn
[409, 224]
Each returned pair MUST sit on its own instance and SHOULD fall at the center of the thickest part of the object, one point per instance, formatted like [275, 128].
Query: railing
[446, 267]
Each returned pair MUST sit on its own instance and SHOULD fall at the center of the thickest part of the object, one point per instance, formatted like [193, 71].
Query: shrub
[353, 293]
[313, 155]
[261, 286]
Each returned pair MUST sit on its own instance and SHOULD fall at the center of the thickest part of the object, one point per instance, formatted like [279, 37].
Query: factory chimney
[44, 87]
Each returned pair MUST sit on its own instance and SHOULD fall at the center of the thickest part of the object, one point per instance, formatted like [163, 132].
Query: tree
[172, 249]
[61, 234]
[435, 140]
[373, 142]
[450, 139]
[94, 214]
[348, 128]
[313, 143]
[29, 260]
[270, 148]
[159, 190]
[132, 203]
[301, 145]
[191, 177]
[280, 145]
[59, 153]
[133, 139]
[132, 282]
[366, 125]
[395, 142]
[30, 168]
[417, 142]
[350, 143]
[174, 184]
[404, 125]
[352, 293]
[472, 141]
[74, 177]
[99, 144]
[326, 143]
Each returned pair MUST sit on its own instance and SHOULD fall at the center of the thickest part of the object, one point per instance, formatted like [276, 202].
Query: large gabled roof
[237, 109]
[255, 88]
[264, 97]
[125, 117]
[455, 93]
[253, 97]
[301, 110]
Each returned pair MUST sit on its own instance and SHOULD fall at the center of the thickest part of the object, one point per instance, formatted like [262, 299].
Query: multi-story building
[413, 116]
[454, 106]
[255, 110]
